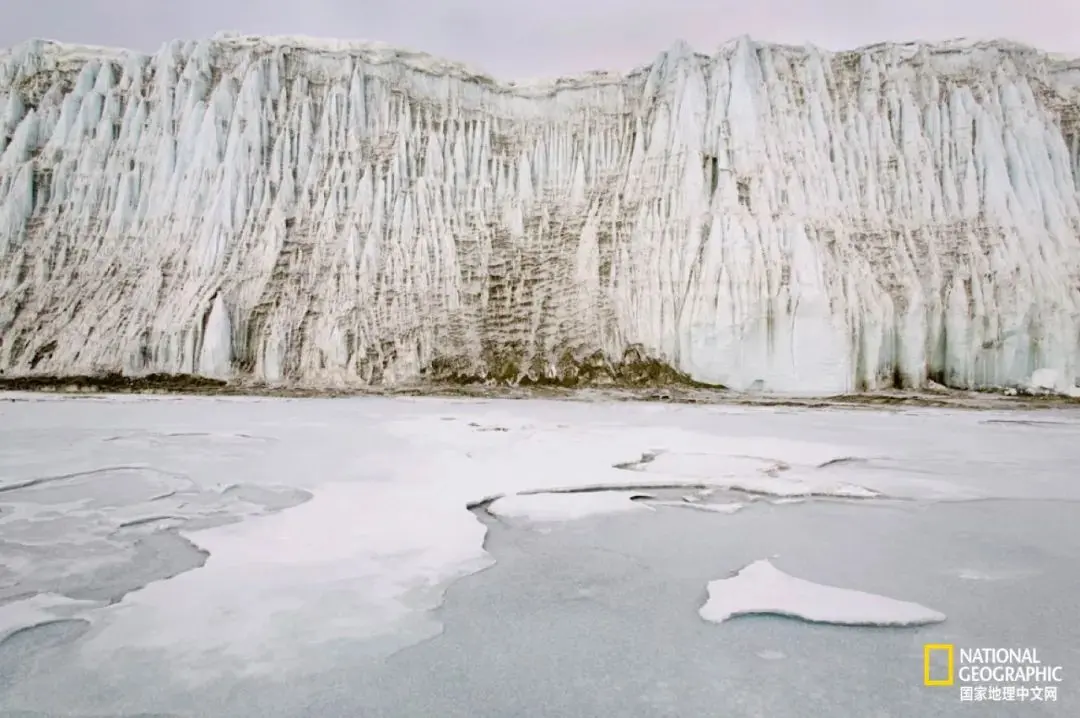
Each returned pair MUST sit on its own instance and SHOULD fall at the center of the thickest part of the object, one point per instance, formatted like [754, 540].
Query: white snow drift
[335, 213]
[763, 588]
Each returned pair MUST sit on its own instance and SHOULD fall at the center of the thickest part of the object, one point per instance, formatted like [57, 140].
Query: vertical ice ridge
[335, 213]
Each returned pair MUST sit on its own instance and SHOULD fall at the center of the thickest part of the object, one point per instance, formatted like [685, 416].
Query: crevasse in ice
[334, 213]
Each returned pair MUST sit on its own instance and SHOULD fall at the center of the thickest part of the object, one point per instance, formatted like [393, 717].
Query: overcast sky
[516, 39]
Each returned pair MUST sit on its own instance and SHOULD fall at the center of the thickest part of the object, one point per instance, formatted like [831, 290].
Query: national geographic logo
[991, 674]
[928, 655]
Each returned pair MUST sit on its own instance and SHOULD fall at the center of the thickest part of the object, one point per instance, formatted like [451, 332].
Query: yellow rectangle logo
[928, 650]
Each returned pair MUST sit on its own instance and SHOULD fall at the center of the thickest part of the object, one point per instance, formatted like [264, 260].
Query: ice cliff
[287, 209]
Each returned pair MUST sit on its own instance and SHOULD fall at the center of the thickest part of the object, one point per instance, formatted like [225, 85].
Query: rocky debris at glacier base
[333, 214]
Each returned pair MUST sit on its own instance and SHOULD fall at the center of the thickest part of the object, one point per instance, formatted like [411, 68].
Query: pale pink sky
[513, 39]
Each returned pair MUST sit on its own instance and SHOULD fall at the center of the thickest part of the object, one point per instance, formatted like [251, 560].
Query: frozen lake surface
[271, 557]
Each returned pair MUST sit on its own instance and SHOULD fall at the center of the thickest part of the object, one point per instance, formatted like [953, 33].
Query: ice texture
[334, 213]
[763, 588]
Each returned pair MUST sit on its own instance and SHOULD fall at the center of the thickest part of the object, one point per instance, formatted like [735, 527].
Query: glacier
[330, 213]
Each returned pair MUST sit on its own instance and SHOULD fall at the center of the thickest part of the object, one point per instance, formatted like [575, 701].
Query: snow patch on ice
[796, 488]
[553, 507]
[718, 508]
[767, 466]
[747, 466]
[80, 532]
[39, 609]
[369, 559]
[761, 588]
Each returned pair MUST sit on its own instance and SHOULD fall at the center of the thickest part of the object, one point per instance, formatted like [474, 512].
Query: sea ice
[761, 588]
[387, 528]
[565, 506]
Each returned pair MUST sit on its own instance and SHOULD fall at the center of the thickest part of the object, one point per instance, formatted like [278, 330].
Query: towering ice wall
[293, 210]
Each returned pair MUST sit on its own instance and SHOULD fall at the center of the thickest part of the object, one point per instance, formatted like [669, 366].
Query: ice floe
[761, 588]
